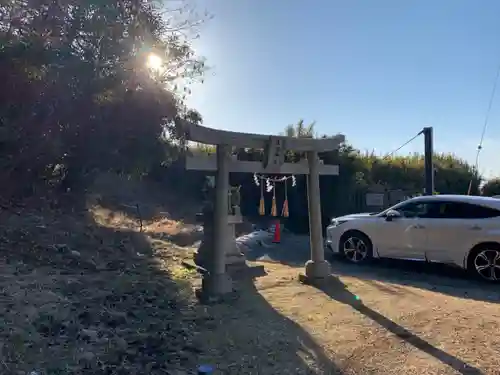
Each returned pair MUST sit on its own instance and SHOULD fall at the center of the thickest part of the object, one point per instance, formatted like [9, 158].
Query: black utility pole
[428, 165]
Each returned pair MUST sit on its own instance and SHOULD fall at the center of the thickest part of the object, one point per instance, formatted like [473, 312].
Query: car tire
[356, 247]
[483, 262]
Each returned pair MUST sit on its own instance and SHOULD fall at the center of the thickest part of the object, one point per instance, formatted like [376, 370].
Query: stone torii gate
[218, 282]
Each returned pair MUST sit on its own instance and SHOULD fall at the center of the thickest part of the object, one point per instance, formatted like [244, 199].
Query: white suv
[455, 229]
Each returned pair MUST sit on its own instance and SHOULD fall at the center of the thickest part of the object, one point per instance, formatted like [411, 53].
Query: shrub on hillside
[491, 187]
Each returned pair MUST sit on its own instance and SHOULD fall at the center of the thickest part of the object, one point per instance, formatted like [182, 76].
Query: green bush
[491, 187]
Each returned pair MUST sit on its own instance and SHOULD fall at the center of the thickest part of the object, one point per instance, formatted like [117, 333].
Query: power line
[485, 125]
[487, 117]
[403, 145]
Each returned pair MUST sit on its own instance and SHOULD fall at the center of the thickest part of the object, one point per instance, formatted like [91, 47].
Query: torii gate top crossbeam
[202, 134]
[209, 163]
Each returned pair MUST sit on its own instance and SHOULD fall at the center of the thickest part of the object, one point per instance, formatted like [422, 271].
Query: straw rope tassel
[285, 212]
[274, 212]
[262, 204]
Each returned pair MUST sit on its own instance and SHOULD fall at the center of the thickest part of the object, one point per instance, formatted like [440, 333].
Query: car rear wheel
[355, 247]
[484, 262]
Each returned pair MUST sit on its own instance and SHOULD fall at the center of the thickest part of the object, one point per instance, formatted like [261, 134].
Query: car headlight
[336, 222]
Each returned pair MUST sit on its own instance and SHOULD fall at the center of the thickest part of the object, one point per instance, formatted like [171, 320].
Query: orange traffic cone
[277, 232]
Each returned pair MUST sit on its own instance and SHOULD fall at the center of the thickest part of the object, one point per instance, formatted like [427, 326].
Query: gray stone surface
[318, 269]
[233, 255]
[314, 205]
[203, 134]
[258, 246]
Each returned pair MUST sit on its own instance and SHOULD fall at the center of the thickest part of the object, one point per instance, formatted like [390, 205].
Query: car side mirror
[392, 214]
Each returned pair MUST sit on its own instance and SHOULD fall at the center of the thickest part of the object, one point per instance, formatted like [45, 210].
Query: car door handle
[475, 227]
[418, 226]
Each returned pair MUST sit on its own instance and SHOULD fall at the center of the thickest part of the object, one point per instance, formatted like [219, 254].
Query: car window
[445, 210]
[414, 209]
[461, 210]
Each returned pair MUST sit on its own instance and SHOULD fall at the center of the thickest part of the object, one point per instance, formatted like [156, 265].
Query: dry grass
[86, 293]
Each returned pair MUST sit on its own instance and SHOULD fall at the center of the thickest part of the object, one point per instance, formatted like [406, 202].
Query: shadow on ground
[82, 298]
[336, 290]
[185, 237]
[294, 251]
[254, 338]
[435, 277]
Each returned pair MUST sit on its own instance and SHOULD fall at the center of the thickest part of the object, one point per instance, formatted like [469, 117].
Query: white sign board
[375, 199]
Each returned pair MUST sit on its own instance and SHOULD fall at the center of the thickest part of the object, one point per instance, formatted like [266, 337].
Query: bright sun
[154, 62]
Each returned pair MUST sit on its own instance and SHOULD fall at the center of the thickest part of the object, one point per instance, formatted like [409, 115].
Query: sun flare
[154, 62]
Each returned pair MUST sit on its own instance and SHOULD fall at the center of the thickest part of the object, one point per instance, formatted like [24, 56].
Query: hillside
[84, 291]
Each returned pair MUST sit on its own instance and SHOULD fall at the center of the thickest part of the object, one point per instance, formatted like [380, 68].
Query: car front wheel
[485, 263]
[355, 247]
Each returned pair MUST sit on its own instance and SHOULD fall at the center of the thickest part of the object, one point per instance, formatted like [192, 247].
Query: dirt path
[282, 327]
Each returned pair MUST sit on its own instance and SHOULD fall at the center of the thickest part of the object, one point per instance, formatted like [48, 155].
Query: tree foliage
[358, 169]
[77, 93]
[300, 130]
[491, 187]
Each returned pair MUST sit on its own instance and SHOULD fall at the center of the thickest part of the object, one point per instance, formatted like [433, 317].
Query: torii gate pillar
[317, 267]
[218, 282]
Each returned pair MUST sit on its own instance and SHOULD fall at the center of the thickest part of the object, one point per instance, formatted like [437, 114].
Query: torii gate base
[217, 284]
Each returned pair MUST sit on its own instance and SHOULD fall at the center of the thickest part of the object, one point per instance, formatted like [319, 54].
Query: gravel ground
[87, 294]
[354, 326]
[388, 318]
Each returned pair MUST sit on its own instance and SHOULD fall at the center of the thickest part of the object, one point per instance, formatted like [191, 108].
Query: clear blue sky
[376, 71]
